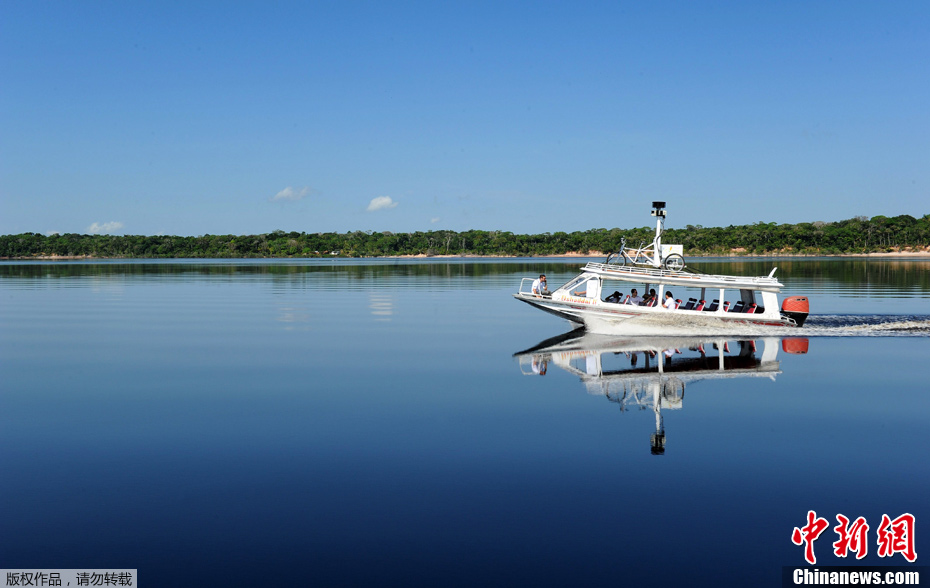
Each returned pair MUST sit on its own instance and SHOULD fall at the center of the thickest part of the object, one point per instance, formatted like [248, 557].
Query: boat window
[690, 297]
[593, 288]
[625, 288]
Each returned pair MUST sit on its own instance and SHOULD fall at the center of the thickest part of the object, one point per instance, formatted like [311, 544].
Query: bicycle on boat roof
[656, 255]
[646, 256]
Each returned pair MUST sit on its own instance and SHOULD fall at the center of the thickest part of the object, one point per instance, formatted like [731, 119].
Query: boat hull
[605, 317]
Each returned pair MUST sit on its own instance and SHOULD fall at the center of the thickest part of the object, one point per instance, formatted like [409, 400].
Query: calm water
[385, 423]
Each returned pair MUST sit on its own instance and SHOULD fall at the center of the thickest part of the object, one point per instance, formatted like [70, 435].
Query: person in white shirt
[635, 299]
[539, 286]
[669, 303]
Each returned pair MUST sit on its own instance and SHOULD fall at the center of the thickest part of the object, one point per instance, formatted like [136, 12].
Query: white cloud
[290, 194]
[381, 202]
[105, 228]
[435, 220]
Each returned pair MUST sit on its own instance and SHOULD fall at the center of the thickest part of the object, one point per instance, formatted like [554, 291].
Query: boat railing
[527, 290]
[658, 274]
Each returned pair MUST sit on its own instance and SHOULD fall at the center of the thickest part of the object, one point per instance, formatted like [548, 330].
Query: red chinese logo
[852, 538]
[807, 534]
[894, 536]
[897, 536]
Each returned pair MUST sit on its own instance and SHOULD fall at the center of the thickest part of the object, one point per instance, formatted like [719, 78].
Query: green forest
[855, 235]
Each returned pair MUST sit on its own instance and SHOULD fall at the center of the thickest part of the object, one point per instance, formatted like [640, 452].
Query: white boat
[697, 299]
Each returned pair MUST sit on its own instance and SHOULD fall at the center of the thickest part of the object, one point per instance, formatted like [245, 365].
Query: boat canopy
[640, 275]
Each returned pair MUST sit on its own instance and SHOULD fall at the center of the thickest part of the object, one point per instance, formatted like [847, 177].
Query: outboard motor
[795, 345]
[797, 308]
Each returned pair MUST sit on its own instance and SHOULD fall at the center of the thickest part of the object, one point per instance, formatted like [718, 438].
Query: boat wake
[878, 325]
[816, 326]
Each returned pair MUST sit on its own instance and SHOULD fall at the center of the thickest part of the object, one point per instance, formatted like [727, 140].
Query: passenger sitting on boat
[539, 286]
[635, 299]
[615, 297]
[669, 303]
[650, 299]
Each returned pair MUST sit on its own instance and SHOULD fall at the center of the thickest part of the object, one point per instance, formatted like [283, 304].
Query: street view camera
[658, 209]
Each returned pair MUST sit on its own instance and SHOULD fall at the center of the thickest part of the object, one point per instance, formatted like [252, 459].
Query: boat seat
[713, 306]
[738, 307]
[690, 304]
[726, 306]
[700, 305]
[677, 303]
[752, 308]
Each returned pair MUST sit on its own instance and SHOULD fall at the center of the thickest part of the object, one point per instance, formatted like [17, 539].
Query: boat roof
[648, 275]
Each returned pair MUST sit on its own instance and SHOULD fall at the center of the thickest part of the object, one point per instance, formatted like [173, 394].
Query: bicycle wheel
[674, 262]
[616, 258]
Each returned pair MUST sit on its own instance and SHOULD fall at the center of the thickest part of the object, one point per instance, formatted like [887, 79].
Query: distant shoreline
[893, 254]
[910, 255]
[903, 237]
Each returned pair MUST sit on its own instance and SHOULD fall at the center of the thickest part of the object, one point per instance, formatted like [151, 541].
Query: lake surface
[401, 423]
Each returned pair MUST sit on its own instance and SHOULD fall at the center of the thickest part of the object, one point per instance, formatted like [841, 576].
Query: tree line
[855, 235]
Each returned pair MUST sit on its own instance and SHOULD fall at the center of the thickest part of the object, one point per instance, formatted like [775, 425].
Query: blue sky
[190, 118]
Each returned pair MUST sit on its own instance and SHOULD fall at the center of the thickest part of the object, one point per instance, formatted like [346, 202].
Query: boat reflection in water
[651, 372]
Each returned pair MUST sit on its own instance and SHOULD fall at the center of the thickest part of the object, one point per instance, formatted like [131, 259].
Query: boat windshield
[574, 282]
